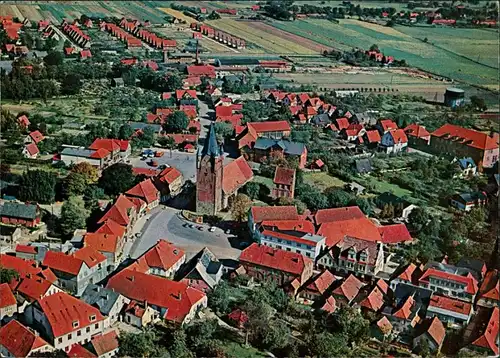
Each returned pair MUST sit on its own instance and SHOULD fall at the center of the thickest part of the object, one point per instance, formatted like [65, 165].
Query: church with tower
[218, 180]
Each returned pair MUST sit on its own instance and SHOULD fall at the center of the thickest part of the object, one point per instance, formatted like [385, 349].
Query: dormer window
[75, 324]
[92, 318]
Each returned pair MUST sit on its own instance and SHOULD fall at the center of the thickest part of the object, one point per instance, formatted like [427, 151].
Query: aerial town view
[274, 178]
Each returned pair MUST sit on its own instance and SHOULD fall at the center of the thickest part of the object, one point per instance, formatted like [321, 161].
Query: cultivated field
[403, 43]
[269, 43]
[176, 14]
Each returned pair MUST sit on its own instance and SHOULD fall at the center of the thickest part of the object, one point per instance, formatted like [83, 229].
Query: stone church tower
[209, 165]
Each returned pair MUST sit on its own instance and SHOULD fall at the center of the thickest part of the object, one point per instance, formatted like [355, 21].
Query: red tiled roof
[33, 287]
[330, 305]
[338, 214]
[181, 138]
[192, 81]
[129, 61]
[6, 296]
[373, 136]
[111, 227]
[393, 234]
[399, 136]
[238, 316]
[166, 95]
[223, 111]
[19, 340]
[27, 249]
[169, 175]
[145, 171]
[276, 259]
[90, 256]
[361, 228]
[388, 124]
[342, 123]
[305, 226]
[23, 267]
[349, 288]
[119, 211]
[85, 53]
[61, 262]
[32, 149]
[269, 126]
[284, 176]
[101, 242]
[145, 190]
[404, 311]
[78, 351]
[416, 130]
[266, 213]
[135, 309]
[490, 287]
[100, 153]
[105, 343]
[353, 130]
[465, 136]
[436, 330]
[322, 282]
[311, 111]
[385, 325]
[382, 285]
[110, 145]
[407, 274]
[235, 175]
[488, 338]
[449, 304]
[23, 120]
[374, 300]
[201, 70]
[180, 93]
[162, 255]
[62, 309]
[177, 297]
[469, 280]
[319, 163]
[37, 136]
[48, 275]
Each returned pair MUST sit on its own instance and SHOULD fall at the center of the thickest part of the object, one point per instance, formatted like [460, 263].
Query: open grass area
[263, 180]
[322, 180]
[381, 186]
[451, 56]
[239, 350]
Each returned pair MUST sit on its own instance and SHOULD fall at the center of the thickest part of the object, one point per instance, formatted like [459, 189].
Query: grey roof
[472, 264]
[469, 197]
[6, 65]
[363, 166]
[18, 210]
[211, 147]
[142, 125]
[321, 119]
[421, 295]
[204, 265]
[37, 54]
[78, 152]
[466, 162]
[100, 297]
[289, 147]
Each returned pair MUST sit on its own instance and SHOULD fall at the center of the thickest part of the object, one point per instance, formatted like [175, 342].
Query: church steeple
[211, 147]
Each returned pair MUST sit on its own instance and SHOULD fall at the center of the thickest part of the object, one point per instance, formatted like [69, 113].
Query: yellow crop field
[176, 14]
[378, 28]
[264, 40]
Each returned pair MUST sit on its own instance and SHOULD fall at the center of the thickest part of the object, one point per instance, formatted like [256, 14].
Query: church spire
[211, 147]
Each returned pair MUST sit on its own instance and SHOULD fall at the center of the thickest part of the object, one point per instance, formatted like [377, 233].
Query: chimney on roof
[146, 304]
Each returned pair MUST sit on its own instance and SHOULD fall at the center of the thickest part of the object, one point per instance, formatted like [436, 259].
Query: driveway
[166, 223]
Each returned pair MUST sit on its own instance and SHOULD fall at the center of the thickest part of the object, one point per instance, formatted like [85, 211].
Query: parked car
[212, 229]
[200, 228]
[153, 163]
[159, 154]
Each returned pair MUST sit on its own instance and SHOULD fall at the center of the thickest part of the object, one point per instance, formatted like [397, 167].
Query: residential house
[109, 302]
[404, 317]
[347, 290]
[468, 201]
[123, 213]
[175, 301]
[203, 271]
[284, 183]
[394, 141]
[481, 335]
[201, 71]
[238, 317]
[105, 345]
[267, 129]
[370, 299]
[452, 312]
[26, 252]
[109, 245]
[266, 263]
[17, 340]
[33, 288]
[65, 320]
[450, 282]
[417, 135]
[489, 292]
[99, 158]
[8, 303]
[386, 125]
[395, 235]
[408, 274]
[119, 149]
[466, 166]
[353, 132]
[433, 332]
[258, 214]
[169, 182]
[34, 137]
[163, 259]
[23, 122]
[382, 329]
[265, 148]
[139, 314]
[342, 123]
[14, 213]
[31, 151]
[147, 192]
[317, 288]
[372, 138]
[457, 141]
[76, 271]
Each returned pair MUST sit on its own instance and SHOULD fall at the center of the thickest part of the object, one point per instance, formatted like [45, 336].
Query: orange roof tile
[338, 214]
[305, 226]
[374, 300]
[27, 249]
[23, 267]
[489, 337]
[399, 136]
[465, 136]
[362, 229]
[284, 176]
[373, 136]
[78, 351]
[404, 311]
[119, 211]
[330, 305]
[235, 175]
[342, 123]
[269, 126]
[37, 136]
[101, 242]
[388, 124]
[450, 304]
[19, 340]
[349, 288]
[266, 213]
[6, 296]
[145, 190]
[416, 130]
[436, 330]
[90, 256]
[169, 175]
[110, 145]
[490, 287]
[105, 343]
[33, 287]
[111, 227]
[322, 282]
[32, 149]
[392, 234]
[59, 261]
[384, 325]
[162, 255]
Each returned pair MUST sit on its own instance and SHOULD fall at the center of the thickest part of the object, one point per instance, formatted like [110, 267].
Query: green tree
[116, 179]
[223, 130]
[179, 347]
[7, 275]
[240, 207]
[478, 102]
[252, 189]
[176, 122]
[71, 84]
[91, 195]
[198, 335]
[276, 335]
[38, 186]
[53, 58]
[87, 170]
[137, 345]
[125, 132]
[218, 299]
[73, 215]
[167, 142]
[364, 204]
[352, 325]
[74, 184]
[259, 314]
[325, 344]
[338, 198]
[418, 219]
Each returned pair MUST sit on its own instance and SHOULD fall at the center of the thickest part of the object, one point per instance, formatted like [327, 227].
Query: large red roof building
[17, 340]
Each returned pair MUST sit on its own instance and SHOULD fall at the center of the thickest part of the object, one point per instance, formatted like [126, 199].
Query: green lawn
[381, 186]
[238, 350]
[322, 180]
[263, 180]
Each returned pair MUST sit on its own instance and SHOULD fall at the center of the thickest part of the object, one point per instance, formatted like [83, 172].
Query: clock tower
[209, 166]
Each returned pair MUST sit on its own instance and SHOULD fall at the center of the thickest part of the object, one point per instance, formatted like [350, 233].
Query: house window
[79, 333]
[59, 340]
[92, 318]
[87, 329]
[69, 336]
[96, 326]
[308, 254]
[75, 324]
[288, 249]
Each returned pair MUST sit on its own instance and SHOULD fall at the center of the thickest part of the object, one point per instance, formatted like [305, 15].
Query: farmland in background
[446, 60]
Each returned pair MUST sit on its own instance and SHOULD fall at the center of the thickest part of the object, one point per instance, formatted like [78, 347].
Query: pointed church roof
[211, 147]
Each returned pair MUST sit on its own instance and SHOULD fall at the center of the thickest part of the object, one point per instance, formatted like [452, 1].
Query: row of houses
[134, 28]
[131, 41]
[76, 34]
[101, 153]
[218, 35]
[10, 27]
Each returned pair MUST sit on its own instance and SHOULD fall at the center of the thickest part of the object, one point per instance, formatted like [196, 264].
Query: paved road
[184, 162]
[165, 223]
[206, 116]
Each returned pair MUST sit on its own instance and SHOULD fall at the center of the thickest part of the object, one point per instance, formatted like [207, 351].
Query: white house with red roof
[175, 301]
[489, 292]
[317, 287]
[99, 158]
[119, 149]
[65, 320]
[450, 283]
[33, 288]
[17, 340]
[347, 290]
[453, 312]
[8, 303]
[258, 214]
[417, 135]
[433, 332]
[394, 141]
[34, 137]
[163, 259]
[31, 151]
[169, 181]
[139, 314]
[110, 245]
[147, 192]
[123, 212]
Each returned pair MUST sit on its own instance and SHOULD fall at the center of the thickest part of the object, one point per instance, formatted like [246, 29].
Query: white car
[212, 229]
